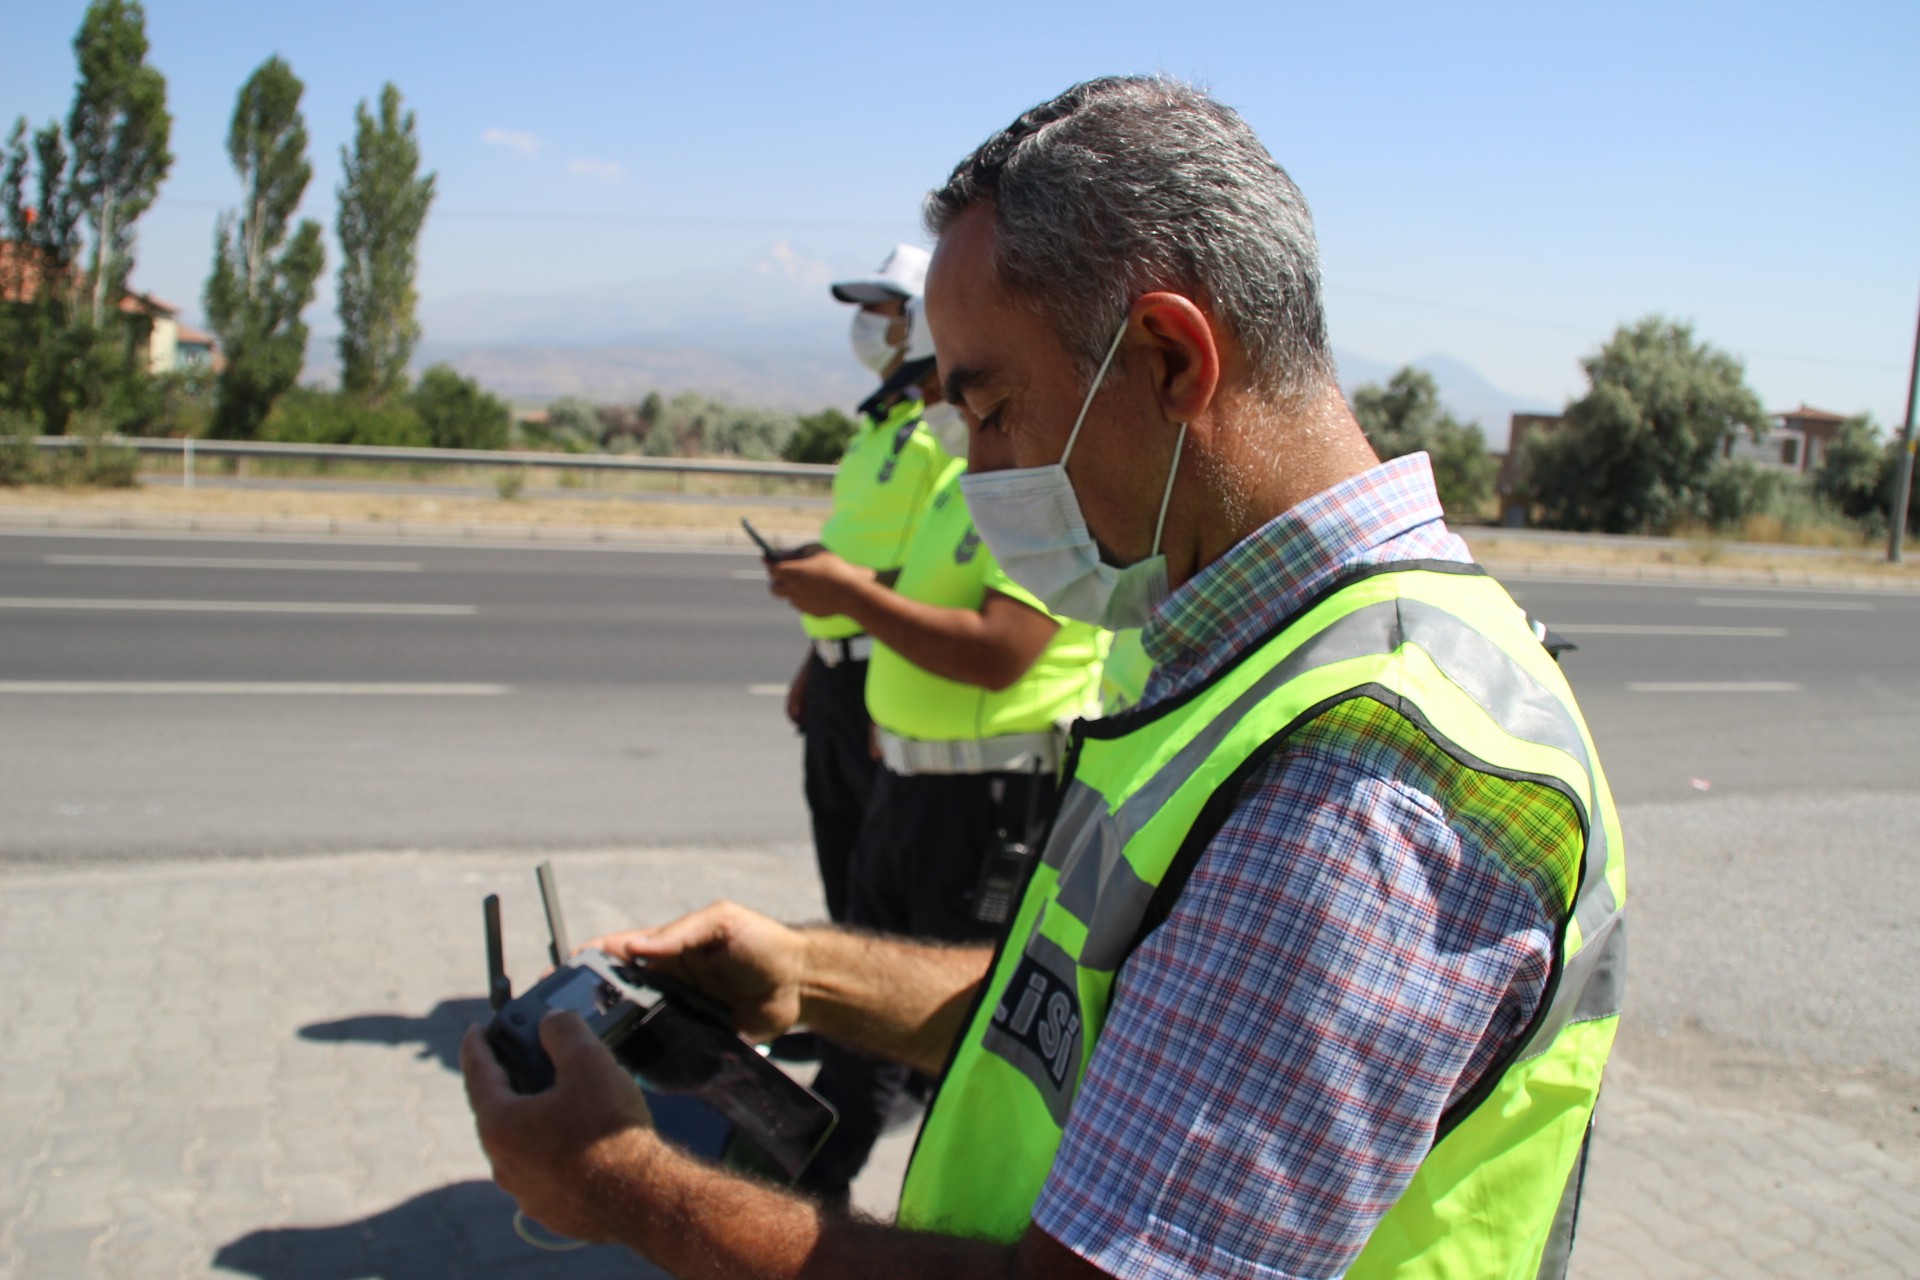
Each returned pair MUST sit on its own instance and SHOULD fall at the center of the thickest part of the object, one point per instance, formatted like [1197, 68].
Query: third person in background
[883, 482]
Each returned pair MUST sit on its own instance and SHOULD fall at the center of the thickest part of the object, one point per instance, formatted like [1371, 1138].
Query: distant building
[196, 352]
[158, 339]
[1798, 442]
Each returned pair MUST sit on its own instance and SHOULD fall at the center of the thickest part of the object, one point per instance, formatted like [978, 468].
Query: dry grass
[1544, 556]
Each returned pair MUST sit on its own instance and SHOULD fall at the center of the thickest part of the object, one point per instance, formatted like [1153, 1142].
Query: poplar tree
[383, 206]
[118, 131]
[261, 282]
[50, 363]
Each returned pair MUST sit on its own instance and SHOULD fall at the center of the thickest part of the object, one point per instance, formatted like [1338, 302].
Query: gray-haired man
[1321, 963]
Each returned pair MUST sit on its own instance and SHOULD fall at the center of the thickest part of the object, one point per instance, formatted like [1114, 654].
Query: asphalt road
[548, 698]
[1761, 742]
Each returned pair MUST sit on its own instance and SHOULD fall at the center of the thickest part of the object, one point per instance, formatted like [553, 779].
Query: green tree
[118, 130]
[261, 282]
[458, 413]
[383, 206]
[1854, 473]
[573, 425]
[1406, 416]
[819, 437]
[1636, 451]
[53, 362]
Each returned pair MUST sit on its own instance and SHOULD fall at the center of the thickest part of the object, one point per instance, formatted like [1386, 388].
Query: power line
[618, 219]
[1536, 323]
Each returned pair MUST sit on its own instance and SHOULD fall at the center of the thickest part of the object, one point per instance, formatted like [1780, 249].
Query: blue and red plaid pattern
[1347, 958]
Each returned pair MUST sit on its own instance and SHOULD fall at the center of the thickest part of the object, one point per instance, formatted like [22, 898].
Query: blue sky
[1499, 183]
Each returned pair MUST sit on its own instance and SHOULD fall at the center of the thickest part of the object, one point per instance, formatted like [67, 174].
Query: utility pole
[1903, 465]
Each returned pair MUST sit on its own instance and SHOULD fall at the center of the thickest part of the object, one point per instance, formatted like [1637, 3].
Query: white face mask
[870, 345]
[949, 427]
[1031, 520]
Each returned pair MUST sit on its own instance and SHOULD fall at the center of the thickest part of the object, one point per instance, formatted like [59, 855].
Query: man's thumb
[565, 1036]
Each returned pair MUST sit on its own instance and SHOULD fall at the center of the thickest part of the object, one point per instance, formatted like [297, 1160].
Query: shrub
[458, 413]
[1734, 492]
[19, 459]
[572, 426]
[98, 462]
[308, 415]
[819, 437]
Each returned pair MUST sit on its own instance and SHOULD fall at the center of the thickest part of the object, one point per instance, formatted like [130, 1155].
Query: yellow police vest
[948, 564]
[1446, 651]
[883, 482]
[1124, 673]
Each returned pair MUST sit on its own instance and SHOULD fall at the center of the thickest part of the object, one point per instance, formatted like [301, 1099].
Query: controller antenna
[557, 947]
[499, 989]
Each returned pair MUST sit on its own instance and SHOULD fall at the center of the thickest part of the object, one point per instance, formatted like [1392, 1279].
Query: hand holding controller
[676, 1039]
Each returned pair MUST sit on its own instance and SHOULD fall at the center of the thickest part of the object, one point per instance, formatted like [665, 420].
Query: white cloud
[782, 259]
[597, 170]
[516, 140]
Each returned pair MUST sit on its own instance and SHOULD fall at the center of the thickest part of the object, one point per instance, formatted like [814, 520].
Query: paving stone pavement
[248, 1068]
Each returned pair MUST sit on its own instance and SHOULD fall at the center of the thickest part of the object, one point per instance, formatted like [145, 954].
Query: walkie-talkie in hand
[773, 553]
[676, 1040]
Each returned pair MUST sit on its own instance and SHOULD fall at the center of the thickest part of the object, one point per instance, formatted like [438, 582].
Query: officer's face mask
[949, 427]
[1033, 524]
[870, 345]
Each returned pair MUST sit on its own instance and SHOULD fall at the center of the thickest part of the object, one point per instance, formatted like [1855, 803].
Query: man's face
[1009, 373]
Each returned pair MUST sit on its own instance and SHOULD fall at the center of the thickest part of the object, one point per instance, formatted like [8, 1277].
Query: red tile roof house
[158, 338]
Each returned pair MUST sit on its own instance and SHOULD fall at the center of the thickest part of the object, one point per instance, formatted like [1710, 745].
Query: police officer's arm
[992, 646]
[583, 1159]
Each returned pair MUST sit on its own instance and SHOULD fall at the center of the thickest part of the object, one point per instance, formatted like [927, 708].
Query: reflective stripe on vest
[1442, 647]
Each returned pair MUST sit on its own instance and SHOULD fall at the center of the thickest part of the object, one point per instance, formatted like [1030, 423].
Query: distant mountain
[762, 331]
[1467, 395]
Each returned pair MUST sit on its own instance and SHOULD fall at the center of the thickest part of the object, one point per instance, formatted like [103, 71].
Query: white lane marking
[1635, 629]
[1744, 602]
[767, 690]
[258, 687]
[459, 542]
[749, 575]
[219, 562]
[1891, 591]
[242, 606]
[1713, 686]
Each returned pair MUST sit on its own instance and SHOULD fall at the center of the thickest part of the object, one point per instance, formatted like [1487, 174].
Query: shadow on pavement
[462, 1230]
[437, 1032]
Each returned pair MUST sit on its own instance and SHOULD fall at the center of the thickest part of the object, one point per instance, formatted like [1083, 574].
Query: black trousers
[917, 864]
[839, 769]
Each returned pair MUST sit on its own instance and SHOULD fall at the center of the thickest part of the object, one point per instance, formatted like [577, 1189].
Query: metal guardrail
[189, 449]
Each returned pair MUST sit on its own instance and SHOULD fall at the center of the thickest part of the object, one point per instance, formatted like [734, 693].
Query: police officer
[884, 480]
[969, 683]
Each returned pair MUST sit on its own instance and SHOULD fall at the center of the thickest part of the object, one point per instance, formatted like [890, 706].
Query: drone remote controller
[675, 1039]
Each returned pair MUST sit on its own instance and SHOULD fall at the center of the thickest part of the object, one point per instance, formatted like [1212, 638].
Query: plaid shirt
[1346, 959]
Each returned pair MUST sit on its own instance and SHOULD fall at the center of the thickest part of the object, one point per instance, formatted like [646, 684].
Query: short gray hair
[1128, 184]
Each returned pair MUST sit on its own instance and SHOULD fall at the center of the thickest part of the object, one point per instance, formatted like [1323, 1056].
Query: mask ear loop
[1093, 391]
[1166, 499]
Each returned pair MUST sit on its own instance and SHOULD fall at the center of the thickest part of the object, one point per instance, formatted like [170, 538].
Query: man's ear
[1184, 354]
